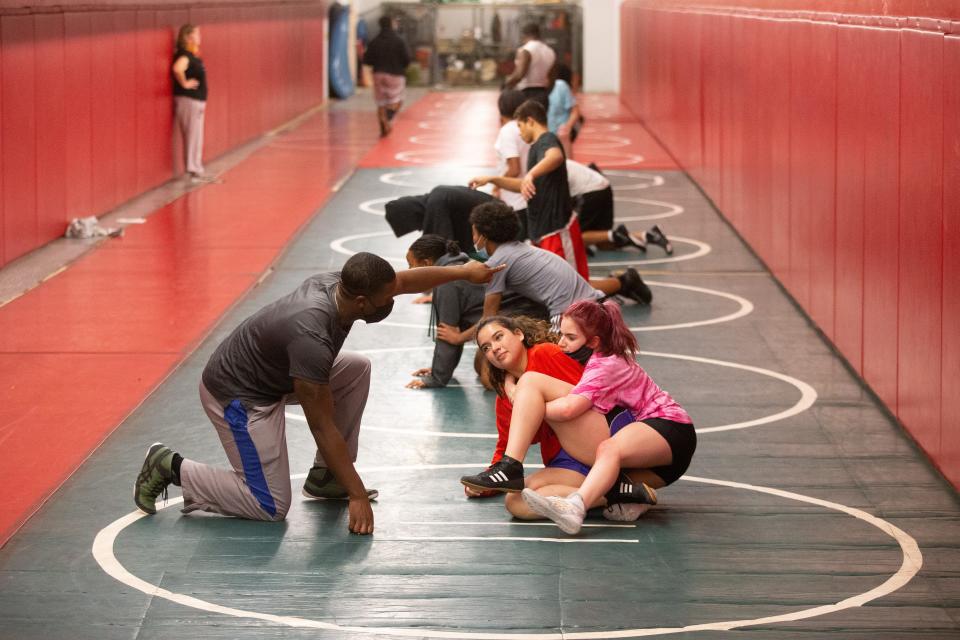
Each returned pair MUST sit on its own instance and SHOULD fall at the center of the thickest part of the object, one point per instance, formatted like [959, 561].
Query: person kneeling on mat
[290, 352]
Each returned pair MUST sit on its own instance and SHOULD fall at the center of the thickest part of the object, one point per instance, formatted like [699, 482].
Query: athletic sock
[610, 236]
[175, 465]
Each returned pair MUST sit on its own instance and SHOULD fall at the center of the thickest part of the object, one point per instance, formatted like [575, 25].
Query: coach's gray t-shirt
[298, 336]
[539, 275]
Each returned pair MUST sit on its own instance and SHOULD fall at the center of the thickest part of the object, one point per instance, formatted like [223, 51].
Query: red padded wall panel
[2, 225]
[152, 105]
[19, 124]
[125, 113]
[881, 212]
[950, 363]
[852, 56]
[710, 88]
[51, 126]
[803, 136]
[215, 49]
[78, 49]
[822, 239]
[103, 110]
[921, 223]
[775, 96]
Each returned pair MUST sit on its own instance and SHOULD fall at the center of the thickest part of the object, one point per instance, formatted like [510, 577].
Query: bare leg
[549, 482]
[579, 437]
[636, 446]
[609, 286]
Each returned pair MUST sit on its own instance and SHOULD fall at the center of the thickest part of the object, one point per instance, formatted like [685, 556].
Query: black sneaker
[657, 237]
[589, 251]
[504, 476]
[632, 286]
[593, 165]
[621, 238]
[626, 491]
[322, 485]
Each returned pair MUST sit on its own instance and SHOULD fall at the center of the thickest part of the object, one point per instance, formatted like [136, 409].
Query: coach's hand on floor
[361, 516]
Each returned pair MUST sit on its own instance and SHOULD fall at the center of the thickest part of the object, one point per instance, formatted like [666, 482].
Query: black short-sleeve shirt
[550, 209]
[298, 336]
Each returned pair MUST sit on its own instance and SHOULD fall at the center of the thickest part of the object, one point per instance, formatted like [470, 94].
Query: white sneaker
[568, 513]
[625, 512]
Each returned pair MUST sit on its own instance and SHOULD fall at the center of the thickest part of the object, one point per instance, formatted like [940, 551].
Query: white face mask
[481, 248]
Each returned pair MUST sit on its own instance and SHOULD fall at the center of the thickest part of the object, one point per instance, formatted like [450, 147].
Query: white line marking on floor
[497, 538]
[808, 395]
[476, 523]
[912, 561]
[671, 209]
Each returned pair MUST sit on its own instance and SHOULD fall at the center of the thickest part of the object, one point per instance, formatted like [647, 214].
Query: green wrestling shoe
[156, 474]
[322, 485]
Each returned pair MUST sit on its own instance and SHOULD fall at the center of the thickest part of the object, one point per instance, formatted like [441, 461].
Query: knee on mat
[514, 504]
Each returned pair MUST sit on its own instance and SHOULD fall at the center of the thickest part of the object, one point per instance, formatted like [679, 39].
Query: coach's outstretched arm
[425, 278]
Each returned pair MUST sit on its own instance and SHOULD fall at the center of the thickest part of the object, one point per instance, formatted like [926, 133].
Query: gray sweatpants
[258, 486]
[190, 114]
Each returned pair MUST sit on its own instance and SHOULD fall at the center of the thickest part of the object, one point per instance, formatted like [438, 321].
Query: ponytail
[606, 322]
[432, 247]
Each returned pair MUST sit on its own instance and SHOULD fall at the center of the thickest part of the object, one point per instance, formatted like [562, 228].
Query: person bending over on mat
[290, 352]
[534, 273]
[457, 306]
[593, 201]
[653, 435]
[444, 211]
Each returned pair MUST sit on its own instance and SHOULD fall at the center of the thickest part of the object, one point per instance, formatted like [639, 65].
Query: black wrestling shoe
[504, 476]
[657, 237]
[593, 165]
[632, 286]
[626, 491]
[621, 238]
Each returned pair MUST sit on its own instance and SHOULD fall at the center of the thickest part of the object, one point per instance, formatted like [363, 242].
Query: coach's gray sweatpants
[258, 487]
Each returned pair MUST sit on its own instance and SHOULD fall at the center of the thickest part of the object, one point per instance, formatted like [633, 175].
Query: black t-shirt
[195, 71]
[298, 336]
[550, 209]
[387, 53]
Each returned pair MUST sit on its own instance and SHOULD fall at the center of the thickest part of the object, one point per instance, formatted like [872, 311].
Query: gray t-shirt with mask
[539, 275]
[298, 336]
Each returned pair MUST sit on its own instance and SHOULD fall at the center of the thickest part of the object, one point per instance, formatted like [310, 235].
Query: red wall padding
[832, 144]
[86, 113]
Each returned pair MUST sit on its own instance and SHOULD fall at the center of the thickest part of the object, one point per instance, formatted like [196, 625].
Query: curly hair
[534, 332]
[495, 221]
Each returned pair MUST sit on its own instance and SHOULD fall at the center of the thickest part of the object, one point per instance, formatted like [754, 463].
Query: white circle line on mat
[912, 561]
[367, 206]
[339, 245]
[745, 308]
[671, 209]
[808, 395]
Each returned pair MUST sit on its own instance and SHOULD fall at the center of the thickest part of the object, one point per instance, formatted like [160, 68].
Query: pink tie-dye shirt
[611, 381]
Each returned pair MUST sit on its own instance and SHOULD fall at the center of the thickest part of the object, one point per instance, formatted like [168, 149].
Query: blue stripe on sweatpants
[236, 417]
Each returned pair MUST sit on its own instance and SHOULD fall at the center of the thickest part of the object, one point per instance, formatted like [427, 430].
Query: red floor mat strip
[81, 351]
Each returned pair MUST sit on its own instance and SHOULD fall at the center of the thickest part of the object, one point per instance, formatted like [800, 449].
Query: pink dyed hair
[606, 322]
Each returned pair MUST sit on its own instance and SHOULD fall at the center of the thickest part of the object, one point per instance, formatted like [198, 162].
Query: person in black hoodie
[389, 56]
[445, 211]
[456, 305]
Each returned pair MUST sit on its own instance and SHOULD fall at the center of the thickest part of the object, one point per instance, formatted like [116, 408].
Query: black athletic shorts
[681, 437]
[596, 210]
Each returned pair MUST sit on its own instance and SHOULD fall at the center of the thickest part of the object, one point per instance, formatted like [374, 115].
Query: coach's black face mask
[379, 313]
[582, 354]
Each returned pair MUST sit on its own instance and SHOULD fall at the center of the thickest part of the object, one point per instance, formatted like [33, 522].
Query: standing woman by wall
[190, 99]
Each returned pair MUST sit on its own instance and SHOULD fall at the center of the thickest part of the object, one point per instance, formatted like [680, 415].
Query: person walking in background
[563, 116]
[534, 60]
[389, 57]
[190, 99]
